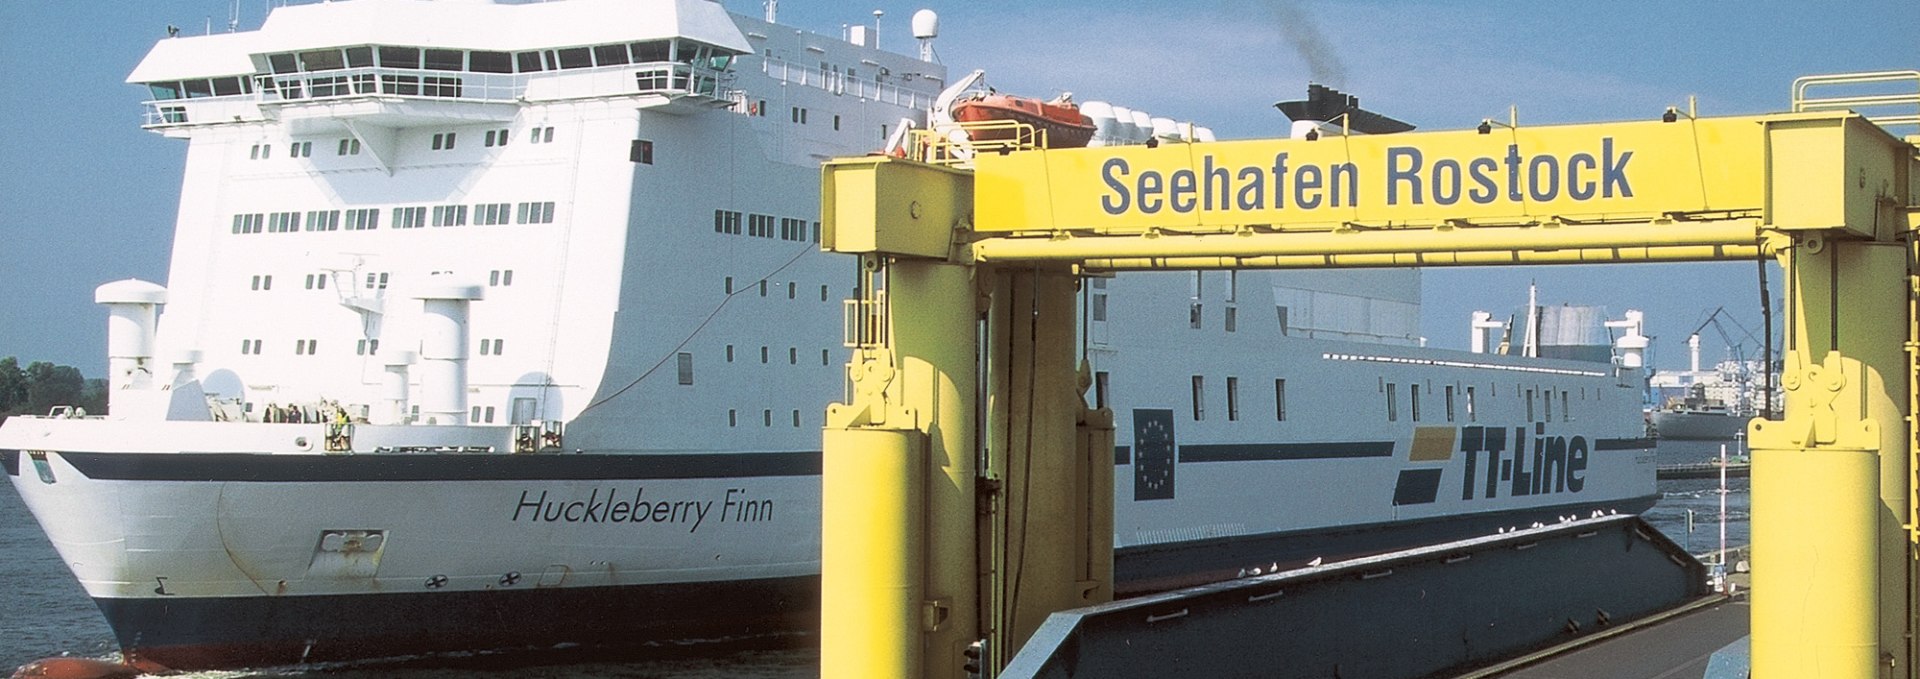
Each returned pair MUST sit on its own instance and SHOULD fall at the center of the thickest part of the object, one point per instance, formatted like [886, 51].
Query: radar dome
[926, 24]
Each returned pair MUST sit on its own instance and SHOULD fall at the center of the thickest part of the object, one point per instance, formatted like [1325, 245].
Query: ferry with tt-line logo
[506, 325]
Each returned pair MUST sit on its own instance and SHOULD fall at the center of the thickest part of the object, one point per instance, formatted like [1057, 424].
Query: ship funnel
[1632, 345]
[1693, 352]
[1483, 323]
[443, 349]
[131, 316]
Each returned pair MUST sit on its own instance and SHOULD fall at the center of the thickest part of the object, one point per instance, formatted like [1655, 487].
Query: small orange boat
[1065, 125]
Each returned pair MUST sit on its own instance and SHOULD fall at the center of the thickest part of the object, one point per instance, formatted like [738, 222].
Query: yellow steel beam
[1446, 240]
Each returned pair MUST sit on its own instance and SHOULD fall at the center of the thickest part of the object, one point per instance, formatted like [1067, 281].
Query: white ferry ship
[505, 325]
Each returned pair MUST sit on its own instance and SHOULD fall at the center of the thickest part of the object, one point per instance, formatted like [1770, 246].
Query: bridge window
[610, 55]
[576, 57]
[446, 60]
[227, 87]
[400, 57]
[529, 62]
[282, 63]
[322, 60]
[360, 57]
[489, 62]
[165, 90]
[653, 50]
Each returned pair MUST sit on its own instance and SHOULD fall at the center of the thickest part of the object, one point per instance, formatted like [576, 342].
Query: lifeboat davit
[1065, 125]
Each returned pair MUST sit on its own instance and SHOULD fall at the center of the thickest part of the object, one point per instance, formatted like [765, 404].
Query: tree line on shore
[37, 388]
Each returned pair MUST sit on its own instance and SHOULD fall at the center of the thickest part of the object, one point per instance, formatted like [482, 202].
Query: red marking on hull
[79, 668]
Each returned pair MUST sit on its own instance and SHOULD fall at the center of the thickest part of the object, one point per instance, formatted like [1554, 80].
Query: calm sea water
[44, 613]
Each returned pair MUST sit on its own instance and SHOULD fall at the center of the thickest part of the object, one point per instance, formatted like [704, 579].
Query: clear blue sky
[88, 197]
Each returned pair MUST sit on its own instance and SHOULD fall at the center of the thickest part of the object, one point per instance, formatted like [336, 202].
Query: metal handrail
[1803, 103]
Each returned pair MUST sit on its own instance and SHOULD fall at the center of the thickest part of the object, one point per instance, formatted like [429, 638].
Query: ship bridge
[370, 67]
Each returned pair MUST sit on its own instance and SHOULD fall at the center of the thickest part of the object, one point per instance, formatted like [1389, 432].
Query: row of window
[766, 417]
[1200, 397]
[762, 226]
[440, 141]
[1544, 397]
[409, 217]
[793, 355]
[366, 347]
[793, 289]
[479, 61]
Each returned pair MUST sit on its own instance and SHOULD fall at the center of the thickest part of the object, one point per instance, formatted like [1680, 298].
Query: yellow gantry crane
[967, 487]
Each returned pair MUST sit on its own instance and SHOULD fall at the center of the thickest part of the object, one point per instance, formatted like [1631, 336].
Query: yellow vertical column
[897, 569]
[1054, 530]
[1829, 482]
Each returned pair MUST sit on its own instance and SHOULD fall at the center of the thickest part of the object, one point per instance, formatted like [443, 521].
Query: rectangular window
[766, 418]
[323, 220]
[1566, 415]
[376, 281]
[1100, 385]
[1199, 398]
[283, 222]
[1280, 400]
[446, 60]
[443, 141]
[641, 152]
[1233, 317]
[796, 418]
[686, 367]
[400, 57]
[249, 223]
[300, 149]
[1393, 407]
[449, 215]
[763, 287]
[610, 55]
[349, 147]
[793, 290]
[1529, 405]
[733, 417]
[492, 214]
[729, 353]
[489, 62]
[1546, 399]
[534, 213]
[440, 86]
[495, 138]
[365, 219]
[1233, 399]
[409, 217]
[793, 355]
[1281, 312]
[1449, 403]
[1413, 400]
[529, 62]
[1194, 314]
[576, 57]
[322, 60]
[1471, 416]
[764, 354]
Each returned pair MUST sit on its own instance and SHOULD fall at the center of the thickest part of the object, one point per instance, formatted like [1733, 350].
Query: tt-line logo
[1555, 464]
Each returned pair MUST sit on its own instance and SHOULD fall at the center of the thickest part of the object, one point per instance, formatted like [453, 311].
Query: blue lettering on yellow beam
[1409, 178]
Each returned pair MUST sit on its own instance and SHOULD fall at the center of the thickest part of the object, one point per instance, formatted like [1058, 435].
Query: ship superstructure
[512, 317]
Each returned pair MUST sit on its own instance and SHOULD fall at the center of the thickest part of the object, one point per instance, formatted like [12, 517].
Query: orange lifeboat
[1065, 125]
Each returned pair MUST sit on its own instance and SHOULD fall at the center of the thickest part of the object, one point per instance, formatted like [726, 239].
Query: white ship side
[512, 317]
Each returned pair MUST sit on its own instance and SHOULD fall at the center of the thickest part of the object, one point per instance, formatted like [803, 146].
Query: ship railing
[1864, 93]
[844, 84]
[539, 436]
[957, 144]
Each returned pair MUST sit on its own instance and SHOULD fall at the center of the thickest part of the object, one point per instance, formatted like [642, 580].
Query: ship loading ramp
[964, 382]
[1437, 610]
